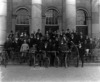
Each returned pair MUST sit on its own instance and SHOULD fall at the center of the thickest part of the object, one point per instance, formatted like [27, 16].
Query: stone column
[43, 24]
[95, 19]
[89, 22]
[3, 18]
[70, 14]
[36, 15]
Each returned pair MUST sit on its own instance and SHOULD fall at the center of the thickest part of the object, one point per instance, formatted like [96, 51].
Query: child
[24, 47]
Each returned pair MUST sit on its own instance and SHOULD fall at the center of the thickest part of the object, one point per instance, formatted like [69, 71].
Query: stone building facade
[41, 11]
[30, 15]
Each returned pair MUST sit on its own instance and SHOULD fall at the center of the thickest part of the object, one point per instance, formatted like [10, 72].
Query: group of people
[52, 41]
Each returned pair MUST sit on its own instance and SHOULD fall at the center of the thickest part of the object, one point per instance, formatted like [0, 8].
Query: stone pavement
[18, 73]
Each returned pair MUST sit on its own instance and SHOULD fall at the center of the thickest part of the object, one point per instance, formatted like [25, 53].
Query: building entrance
[52, 28]
[22, 28]
[83, 29]
[22, 20]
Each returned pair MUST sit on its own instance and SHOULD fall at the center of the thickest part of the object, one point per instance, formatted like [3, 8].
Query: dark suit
[16, 45]
[81, 53]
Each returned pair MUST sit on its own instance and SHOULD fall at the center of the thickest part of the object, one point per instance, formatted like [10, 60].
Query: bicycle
[32, 58]
[4, 58]
[73, 55]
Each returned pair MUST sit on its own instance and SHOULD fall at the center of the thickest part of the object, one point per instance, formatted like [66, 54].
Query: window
[51, 17]
[22, 16]
[81, 17]
[82, 24]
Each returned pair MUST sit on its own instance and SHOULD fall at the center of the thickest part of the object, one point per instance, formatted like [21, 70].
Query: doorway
[52, 28]
[83, 29]
[22, 28]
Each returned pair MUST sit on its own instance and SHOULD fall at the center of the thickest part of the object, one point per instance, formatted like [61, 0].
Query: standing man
[81, 48]
[68, 35]
[11, 35]
[38, 34]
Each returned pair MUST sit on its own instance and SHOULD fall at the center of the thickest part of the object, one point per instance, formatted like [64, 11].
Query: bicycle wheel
[67, 59]
[73, 58]
[4, 58]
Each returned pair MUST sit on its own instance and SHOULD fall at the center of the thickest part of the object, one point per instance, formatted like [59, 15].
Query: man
[16, 44]
[68, 35]
[81, 48]
[29, 43]
[56, 44]
[31, 40]
[49, 45]
[11, 35]
[41, 44]
[7, 46]
[62, 48]
[25, 36]
[37, 42]
[72, 38]
[81, 53]
[87, 42]
[40, 48]
[88, 47]
[38, 34]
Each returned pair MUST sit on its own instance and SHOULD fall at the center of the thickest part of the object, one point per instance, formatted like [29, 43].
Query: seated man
[33, 49]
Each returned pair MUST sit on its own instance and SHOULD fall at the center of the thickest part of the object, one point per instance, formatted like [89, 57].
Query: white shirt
[24, 47]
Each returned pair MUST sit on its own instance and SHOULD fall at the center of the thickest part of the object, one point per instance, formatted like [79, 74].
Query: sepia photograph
[49, 40]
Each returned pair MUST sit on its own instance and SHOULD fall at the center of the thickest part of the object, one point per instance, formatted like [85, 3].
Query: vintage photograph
[49, 40]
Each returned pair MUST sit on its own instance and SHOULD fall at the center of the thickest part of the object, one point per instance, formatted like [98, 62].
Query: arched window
[51, 20]
[22, 16]
[22, 21]
[51, 17]
[82, 21]
[81, 17]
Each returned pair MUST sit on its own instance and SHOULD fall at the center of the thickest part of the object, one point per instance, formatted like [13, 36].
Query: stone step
[85, 65]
